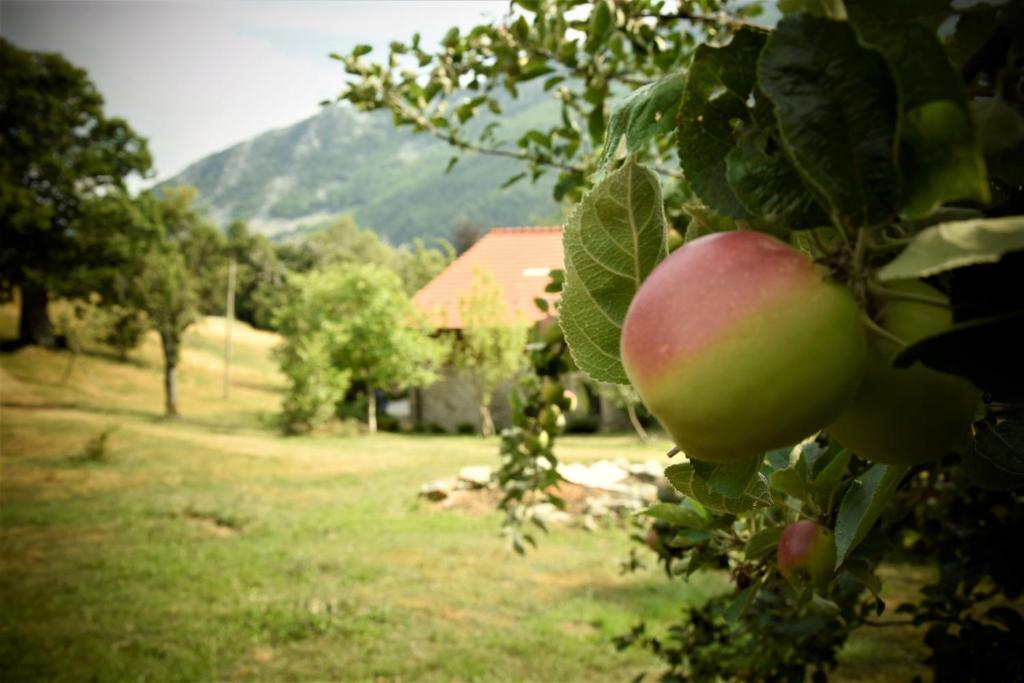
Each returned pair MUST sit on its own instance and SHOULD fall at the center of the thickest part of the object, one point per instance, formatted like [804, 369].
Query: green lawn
[210, 548]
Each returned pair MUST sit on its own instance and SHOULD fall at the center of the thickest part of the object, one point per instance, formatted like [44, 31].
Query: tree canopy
[57, 148]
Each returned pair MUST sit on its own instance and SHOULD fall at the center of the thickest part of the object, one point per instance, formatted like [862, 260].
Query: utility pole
[230, 318]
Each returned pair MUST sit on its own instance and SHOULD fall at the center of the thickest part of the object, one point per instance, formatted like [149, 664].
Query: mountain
[293, 179]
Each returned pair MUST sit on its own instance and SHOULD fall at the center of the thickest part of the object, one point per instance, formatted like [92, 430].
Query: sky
[197, 77]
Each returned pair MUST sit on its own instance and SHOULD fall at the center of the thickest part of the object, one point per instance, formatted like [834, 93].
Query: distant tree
[153, 247]
[350, 323]
[261, 275]
[166, 288]
[465, 234]
[419, 264]
[491, 347]
[57, 149]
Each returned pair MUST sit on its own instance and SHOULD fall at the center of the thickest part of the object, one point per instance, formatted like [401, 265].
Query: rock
[650, 471]
[600, 475]
[439, 489]
[477, 476]
[549, 514]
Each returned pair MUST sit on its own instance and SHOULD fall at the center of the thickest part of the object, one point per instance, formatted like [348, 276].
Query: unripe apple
[807, 554]
[906, 416]
[739, 344]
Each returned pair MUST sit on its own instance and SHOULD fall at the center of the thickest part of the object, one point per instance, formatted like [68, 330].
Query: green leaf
[790, 482]
[763, 543]
[863, 503]
[954, 245]
[602, 23]
[362, 49]
[719, 83]
[614, 238]
[742, 602]
[451, 38]
[837, 109]
[513, 180]
[683, 478]
[689, 513]
[647, 113]
[728, 479]
[1002, 442]
[768, 185]
[940, 155]
[704, 221]
[833, 9]
[832, 473]
[679, 476]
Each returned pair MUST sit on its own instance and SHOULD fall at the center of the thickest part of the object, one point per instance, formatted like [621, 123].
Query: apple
[906, 416]
[807, 554]
[739, 344]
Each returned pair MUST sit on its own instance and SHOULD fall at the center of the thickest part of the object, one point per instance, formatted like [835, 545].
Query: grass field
[211, 548]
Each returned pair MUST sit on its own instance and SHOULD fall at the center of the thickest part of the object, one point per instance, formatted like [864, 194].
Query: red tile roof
[519, 259]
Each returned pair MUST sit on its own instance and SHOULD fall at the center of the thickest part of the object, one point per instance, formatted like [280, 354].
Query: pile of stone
[591, 492]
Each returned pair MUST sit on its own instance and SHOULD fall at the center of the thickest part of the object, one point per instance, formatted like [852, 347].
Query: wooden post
[229, 318]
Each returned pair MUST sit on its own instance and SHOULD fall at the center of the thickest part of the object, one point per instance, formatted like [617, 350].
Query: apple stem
[878, 329]
[672, 451]
[876, 288]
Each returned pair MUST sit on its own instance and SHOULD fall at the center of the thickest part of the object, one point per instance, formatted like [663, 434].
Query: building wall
[451, 402]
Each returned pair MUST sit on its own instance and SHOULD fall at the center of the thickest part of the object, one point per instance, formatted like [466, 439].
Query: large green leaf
[954, 245]
[612, 241]
[864, 501]
[837, 109]
[648, 112]
[689, 514]
[719, 83]
[940, 155]
[728, 479]
[684, 479]
[768, 185]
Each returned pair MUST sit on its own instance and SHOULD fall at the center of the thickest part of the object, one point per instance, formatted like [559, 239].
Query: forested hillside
[342, 161]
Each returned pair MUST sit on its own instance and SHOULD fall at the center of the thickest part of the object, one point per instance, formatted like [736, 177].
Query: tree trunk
[170, 346]
[34, 324]
[486, 420]
[371, 409]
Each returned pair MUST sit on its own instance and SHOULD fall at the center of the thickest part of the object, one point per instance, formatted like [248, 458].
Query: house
[520, 261]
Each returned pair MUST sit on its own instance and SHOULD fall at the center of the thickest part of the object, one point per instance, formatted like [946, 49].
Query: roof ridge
[526, 228]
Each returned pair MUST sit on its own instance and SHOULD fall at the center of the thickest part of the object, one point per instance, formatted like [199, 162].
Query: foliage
[57, 150]
[491, 346]
[856, 131]
[528, 474]
[349, 323]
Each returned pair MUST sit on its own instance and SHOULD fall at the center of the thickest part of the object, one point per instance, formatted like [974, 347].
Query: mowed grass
[211, 548]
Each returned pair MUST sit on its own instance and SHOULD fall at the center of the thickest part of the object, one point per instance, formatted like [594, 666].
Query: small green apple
[906, 416]
[807, 554]
[739, 344]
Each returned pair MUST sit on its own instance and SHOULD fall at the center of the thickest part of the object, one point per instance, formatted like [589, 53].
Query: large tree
[57, 148]
[350, 323]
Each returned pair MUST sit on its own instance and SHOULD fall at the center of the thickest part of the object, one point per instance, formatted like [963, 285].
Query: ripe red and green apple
[739, 343]
[807, 554]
